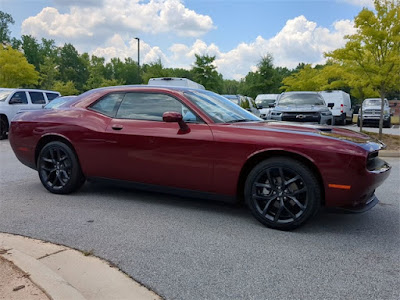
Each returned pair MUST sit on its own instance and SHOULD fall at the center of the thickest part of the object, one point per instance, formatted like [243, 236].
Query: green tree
[154, 70]
[31, 49]
[266, 80]
[5, 20]
[15, 71]
[65, 88]
[72, 66]
[48, 73]
[205, 73]
[230, 87]
[306, 79]
[373, 53]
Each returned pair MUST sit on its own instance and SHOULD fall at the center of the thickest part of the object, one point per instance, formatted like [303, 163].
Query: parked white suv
[13, 100]
[341, 111]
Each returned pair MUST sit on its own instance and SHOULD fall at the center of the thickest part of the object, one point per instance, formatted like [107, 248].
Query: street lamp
[138, 51]
[138, 56]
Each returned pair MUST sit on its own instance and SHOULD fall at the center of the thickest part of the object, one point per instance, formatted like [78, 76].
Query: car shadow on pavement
[326, 220]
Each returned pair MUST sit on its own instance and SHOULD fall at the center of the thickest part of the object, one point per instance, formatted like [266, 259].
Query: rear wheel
[3, 128]
[282, 193]
[59, 169]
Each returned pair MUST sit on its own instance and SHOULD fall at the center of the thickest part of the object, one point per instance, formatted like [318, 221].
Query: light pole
[138, 56]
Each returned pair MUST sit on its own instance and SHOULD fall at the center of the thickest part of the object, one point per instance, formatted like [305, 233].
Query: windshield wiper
[237, 121]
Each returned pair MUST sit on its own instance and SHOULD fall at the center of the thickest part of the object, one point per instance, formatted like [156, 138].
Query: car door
[17, 101]
[147, 149]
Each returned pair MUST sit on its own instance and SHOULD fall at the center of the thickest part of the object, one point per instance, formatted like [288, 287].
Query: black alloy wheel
[282, 193]
[59, 169]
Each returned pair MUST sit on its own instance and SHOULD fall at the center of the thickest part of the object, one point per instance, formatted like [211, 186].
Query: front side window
[108, 105]
[151, 107]
[19, 98]
[37, 97]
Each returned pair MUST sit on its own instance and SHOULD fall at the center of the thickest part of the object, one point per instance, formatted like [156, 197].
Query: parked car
[264, 103]
[13, 100]
[195, 142]
[342, 111]
[371, 112]
[244, 102]
[302, 107]
[175, 81]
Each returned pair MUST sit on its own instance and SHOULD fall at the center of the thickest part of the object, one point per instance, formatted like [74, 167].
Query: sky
[237, 32]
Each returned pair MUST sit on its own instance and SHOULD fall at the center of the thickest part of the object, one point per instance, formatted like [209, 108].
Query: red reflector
[23, 149]
[339, 186]
[341, 108]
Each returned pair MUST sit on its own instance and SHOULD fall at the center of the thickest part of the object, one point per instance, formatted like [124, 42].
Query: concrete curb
[389, 153]
[65, 273]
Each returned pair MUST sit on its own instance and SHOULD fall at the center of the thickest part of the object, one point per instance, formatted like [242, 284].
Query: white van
[175, 81]
[341, 111]
[13, 100]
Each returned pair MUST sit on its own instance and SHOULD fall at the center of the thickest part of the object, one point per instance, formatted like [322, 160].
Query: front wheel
[59, 169]
[282, 193]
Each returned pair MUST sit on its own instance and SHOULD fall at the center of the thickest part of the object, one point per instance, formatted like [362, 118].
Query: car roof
[28, 90]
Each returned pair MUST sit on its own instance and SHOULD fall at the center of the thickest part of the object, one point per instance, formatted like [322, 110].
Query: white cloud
[362, 3]
[100, 20]
[300, 40]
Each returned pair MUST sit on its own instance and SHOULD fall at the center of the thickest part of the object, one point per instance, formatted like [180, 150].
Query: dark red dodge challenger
[197, 142]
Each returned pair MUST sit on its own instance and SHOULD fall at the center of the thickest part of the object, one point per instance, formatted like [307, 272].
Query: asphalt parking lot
[194, 249]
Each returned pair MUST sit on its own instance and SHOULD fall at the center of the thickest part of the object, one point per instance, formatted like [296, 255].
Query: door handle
[117, 127]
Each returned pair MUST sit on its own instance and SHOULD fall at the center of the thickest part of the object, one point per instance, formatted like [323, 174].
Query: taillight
[341, 108]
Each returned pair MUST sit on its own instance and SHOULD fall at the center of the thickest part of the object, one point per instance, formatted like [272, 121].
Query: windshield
[4, 94]
[265, 102]
[372, 102]
[219, 109]
[301, 99]
[57, 102]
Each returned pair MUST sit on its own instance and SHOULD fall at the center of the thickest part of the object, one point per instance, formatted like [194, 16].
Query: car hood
[301, 108]
[365, 141]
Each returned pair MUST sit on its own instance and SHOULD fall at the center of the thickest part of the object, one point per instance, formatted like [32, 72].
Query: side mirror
[172, 116]
[15, 101]
[330, 105]
[259, 107]
[271, 105]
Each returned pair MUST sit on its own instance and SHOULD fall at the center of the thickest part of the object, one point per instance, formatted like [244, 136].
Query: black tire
[287, 204]
[3, 128]
[388, 124]
[59, 169]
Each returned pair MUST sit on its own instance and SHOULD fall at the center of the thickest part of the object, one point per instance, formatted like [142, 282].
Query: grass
[392, 141]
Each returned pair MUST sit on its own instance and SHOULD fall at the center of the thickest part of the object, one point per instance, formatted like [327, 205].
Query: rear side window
[37, 98]
[51, 96]
[19, 98]
[148, 106]
[108, 105]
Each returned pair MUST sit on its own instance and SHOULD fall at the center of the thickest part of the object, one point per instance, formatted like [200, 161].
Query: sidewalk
[33, 269]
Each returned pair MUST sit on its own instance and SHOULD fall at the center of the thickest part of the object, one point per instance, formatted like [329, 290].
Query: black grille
[301, 117]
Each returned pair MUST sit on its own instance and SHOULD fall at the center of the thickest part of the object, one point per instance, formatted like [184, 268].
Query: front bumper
[360, 208]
